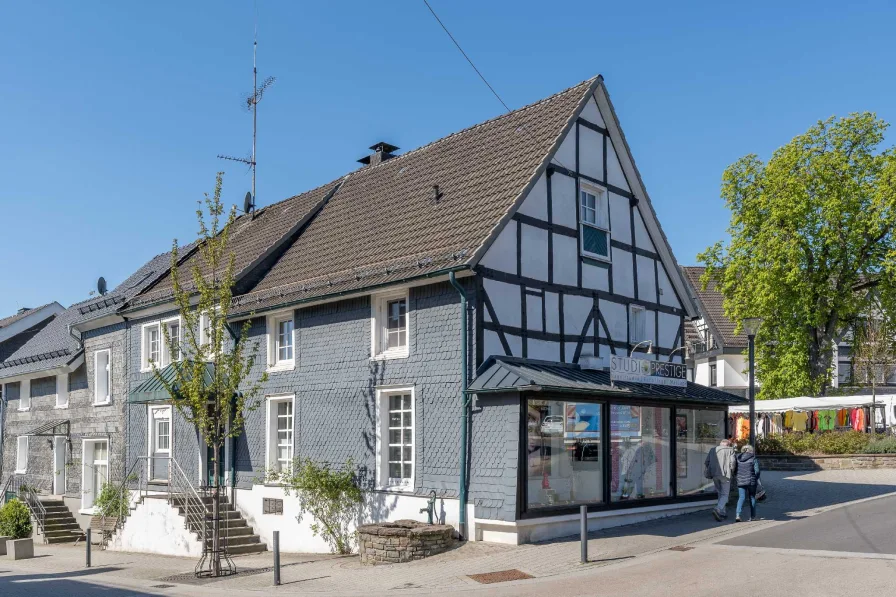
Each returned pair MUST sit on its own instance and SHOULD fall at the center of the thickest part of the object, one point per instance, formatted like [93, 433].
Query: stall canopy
[153, 390]
[808, 403]
[506, 374]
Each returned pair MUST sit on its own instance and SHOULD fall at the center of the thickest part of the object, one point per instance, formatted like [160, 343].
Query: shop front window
[564, 461]
[696, 433]
[640, 459]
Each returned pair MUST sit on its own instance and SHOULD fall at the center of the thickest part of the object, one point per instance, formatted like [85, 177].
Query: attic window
[594, 229]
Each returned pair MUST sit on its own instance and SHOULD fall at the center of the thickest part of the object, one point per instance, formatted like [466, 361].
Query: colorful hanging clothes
[858, 419]
[827, 420]
[842, 417]
[777, 423]
[788, 419]
[743, 428]
[800, 421]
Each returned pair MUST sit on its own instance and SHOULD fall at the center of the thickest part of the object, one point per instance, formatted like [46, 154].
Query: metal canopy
[153, 390]
[507, 374]
[51, 429]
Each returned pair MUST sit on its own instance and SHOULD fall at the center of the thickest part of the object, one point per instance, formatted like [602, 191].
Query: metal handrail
[125, 507]
[194, 507]
[10, 480]
[38, 510]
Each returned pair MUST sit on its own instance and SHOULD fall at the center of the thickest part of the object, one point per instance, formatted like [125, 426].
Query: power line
[492, 89]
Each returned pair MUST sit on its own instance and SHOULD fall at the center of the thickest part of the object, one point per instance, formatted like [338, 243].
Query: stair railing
[181, 490]
[137, 474]
[38, 510]
[10, 487]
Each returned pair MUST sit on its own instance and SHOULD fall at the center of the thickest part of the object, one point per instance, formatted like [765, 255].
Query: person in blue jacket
[746, 473]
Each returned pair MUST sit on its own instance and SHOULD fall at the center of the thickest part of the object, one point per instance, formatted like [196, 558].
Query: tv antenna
[252, 101]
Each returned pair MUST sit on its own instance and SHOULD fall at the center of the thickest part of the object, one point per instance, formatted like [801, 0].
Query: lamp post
[751, 326]
[649, 344]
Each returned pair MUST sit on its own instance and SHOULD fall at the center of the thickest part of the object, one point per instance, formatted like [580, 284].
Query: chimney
[382, 151]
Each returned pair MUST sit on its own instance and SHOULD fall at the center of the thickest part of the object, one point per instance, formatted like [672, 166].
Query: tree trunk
[820, 361]
[216, 515]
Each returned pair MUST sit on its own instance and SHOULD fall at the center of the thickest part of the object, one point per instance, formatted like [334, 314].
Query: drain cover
[502, 576]
[680, 548]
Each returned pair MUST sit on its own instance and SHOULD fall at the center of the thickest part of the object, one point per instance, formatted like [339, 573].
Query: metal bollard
[88, 547]
[276, 558]
[584, 531]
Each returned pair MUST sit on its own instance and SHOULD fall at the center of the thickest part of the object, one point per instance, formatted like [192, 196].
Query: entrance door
[160, 442]
[58, 465]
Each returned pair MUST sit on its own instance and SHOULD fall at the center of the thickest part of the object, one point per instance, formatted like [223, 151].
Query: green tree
[210, 385]
[807, 229]
[874, 354]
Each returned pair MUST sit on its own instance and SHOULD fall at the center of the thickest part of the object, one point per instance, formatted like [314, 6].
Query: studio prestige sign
[652, 372]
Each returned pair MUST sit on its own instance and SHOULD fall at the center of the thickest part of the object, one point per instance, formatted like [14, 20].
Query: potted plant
[15, 525]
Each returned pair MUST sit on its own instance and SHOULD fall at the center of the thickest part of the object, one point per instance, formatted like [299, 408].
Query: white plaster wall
[591, 153]
[615, 316]
[595, 277]
[668, 296]
[646, 278]
[591, 113]
[543, 350]
[731, 371]
[536, 202]
[563, 200]
[620, 218]
[156, 527]
[575, 312]
[505, 299]
[515, 343]
[623, 273]
[669, 325]
[552, 312]
[297, 537]
[701, 372]
[534, 252]
[615, 176]
[566, 258]
[491, 344]
[502, 254]
[534, 313]
[642, 237]
[566, 154]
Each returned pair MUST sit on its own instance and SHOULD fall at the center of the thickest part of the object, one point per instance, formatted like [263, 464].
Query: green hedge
[15, 520]
[828, 443]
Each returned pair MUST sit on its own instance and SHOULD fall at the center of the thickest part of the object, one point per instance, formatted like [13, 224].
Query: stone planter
[20, 549]
[3, 541]
[403, 541]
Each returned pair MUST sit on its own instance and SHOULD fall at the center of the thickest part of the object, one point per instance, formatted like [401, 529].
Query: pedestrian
[719, 466]
[746, 471]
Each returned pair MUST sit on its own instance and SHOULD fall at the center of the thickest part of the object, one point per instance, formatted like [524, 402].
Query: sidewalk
[792, 495]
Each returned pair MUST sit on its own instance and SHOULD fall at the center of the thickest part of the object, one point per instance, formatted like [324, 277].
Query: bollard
[88, 547]
[584, 530]
[276, 558]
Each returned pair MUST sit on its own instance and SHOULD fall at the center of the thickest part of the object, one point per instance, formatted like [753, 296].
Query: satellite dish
[101, 285]
[248, 203]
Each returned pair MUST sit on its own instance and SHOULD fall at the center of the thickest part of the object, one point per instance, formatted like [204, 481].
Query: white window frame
[145, 364]
[601, 218]
[271, 442]
[97, 399]
[165, 349]
[383, 481]
[22, 454]
[273, 335]
[62, 390]
[379, 321]
[634, 339]
[88, 472]
[151, 433]
[25, 394]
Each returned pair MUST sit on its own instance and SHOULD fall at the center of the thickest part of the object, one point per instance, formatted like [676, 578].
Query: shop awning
[153, 390]
[809, 403]
[508, 374]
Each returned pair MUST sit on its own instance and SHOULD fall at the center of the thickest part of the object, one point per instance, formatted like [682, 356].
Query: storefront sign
[651, 372]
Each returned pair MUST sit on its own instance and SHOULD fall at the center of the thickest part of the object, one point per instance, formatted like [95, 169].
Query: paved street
[782, 551]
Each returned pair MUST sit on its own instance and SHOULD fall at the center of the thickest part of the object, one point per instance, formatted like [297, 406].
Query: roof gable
[713, 310]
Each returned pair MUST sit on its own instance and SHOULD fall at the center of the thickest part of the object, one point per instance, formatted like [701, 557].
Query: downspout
[462, 480]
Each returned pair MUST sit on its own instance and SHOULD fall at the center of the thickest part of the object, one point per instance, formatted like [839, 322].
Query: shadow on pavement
[61, 583]
[788, 493]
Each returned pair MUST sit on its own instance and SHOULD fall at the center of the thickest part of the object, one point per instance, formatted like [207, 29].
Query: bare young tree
[874, 355]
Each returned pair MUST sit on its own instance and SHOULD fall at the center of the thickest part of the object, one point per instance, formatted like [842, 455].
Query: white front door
[159, 442]
[59, 465]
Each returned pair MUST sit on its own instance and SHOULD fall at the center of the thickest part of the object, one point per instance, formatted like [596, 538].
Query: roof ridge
[545, 100]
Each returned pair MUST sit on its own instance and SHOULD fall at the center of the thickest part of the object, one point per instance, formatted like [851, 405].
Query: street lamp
[649, 347]
[750, 326]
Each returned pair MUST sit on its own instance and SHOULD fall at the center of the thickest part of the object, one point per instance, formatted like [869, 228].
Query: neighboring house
[540, 218]
[719, 355]
[63, 399]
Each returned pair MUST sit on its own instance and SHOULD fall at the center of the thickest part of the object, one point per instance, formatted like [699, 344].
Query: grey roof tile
[712, 308]
[19, 315]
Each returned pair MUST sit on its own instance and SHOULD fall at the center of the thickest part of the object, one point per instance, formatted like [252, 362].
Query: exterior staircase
[59, 524]
[235, 533]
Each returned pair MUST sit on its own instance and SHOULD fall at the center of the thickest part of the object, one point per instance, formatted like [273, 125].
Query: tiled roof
[6, 321]
[710, 303]
[500, 374]
[50, 345]
[384, 223]
[251, 239]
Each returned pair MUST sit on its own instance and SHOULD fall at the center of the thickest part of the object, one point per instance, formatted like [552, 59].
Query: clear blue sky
[112, 113]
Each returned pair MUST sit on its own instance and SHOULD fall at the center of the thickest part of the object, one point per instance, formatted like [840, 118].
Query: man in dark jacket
[746, 472]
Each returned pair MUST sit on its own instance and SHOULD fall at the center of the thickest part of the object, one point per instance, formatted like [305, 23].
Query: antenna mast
[252, 104]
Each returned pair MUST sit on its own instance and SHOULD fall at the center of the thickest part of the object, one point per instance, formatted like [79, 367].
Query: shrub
[885, 445]
[332, 497]
[15, 520]
[830, 443]
[112, 500]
